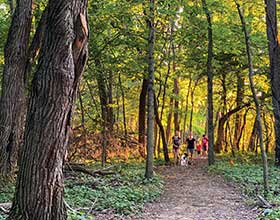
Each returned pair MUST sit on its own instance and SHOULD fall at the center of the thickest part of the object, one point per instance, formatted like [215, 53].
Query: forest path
[191, 193]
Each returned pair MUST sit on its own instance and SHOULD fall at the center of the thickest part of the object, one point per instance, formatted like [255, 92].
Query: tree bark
[150, 123]
[162, 133]
[211, 158]
[187, 107]
[192, 103]
[253, 137]
[39, 189]
[123, 106]
[12, 102]
[142, 112]
[169, 119]
[274, 55]
[238, 116]
[219, 145]
[256, 100]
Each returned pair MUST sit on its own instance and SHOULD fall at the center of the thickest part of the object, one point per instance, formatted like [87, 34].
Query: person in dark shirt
[191, 143]
[176, 145]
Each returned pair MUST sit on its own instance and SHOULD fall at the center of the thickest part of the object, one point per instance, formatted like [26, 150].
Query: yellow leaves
[278, 38]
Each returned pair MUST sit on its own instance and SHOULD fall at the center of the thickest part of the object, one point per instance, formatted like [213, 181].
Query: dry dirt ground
[191, 193]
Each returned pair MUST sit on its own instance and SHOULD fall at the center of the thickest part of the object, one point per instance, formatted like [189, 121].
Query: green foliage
[247, 172]
[124, 193]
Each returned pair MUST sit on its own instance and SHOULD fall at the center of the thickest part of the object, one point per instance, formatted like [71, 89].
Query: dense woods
[106, 82]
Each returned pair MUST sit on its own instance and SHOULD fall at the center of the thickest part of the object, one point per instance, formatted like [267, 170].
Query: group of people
[201, 147]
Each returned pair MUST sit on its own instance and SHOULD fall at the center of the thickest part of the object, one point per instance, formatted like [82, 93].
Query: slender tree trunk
[274, 55]
[169, 120]
[192, 104]
[187, 106]
[176, 104]
[39, 189]
[162, 133]
[238, 116]
[123, 106]
[253, 137]
[256, 101]
[84, 131]
[12, 102]
[150, 122]
[219, 145]
[142, 112]
[211, 159]
[111, 119]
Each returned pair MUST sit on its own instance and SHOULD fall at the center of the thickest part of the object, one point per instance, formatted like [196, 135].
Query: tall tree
[12, 102]
[39, 189]
[142, 112]
[211, 159]
[274, 55]
[151, 70]
[253, 90]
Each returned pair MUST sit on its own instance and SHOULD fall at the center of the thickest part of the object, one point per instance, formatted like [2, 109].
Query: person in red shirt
[198, 148]
[204, 144]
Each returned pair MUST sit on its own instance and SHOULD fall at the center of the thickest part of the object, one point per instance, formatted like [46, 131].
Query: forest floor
[192, 193]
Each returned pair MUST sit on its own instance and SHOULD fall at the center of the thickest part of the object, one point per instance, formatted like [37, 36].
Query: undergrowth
[122, 194]
[247, 172]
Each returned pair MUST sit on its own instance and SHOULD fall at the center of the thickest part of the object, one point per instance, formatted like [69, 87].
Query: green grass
[247, 172]
[122, 194]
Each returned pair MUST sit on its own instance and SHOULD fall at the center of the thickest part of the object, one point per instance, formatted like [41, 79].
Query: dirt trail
[193, 194]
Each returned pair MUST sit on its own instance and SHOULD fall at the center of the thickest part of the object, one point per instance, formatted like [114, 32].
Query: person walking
[191, 143]
[176, 145]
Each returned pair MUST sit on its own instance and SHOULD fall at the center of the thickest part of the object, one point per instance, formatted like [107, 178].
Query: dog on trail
[184, 160]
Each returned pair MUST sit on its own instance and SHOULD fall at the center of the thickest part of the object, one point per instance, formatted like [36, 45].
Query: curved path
[191, 193]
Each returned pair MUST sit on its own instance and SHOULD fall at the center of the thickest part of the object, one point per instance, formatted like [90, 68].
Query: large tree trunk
[274, 55]
[211, 159]
[39, 189]
[256, 100]
[150, 123]
[12, 102]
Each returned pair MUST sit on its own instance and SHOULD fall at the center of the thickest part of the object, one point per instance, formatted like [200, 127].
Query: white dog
[184, 160]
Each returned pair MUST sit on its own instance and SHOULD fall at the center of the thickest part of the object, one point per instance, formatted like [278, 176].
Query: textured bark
[12, 102]
[36, 45]
[274, 55]
[256, 100]
[150, 122]
[211, 158]
[39, 188]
